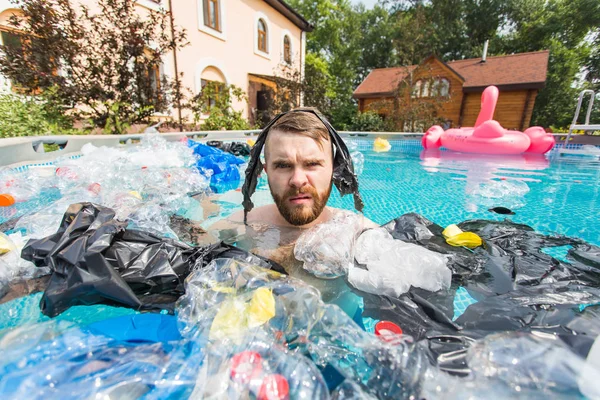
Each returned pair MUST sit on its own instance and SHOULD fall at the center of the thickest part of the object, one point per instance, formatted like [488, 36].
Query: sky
[367, 3]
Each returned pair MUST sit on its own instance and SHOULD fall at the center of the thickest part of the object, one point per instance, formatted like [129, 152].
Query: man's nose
[299, 178]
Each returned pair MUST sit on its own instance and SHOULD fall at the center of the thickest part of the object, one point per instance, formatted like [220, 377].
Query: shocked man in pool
[303, 158]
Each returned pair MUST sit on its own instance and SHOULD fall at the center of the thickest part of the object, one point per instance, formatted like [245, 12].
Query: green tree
[107, 62]
[336, 41]
[562, 27]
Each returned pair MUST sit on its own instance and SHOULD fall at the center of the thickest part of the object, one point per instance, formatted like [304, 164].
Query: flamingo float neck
[489, 98]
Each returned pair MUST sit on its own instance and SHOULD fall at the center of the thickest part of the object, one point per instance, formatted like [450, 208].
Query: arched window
[212, 15]
[213, 80]
[417, 89]
[444, 87]
[262, 35]
[287, 49]
[426, 89]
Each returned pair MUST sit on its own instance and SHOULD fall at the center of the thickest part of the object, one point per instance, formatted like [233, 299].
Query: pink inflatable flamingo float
[488, 137]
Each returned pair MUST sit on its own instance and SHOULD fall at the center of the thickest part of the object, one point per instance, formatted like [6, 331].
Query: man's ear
[265, 168]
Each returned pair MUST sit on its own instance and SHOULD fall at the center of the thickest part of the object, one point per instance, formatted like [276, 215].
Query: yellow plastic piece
[5, 246]
[230, 320]
[235, 316]
[251, 142]
[381, 145]
[451, 230]
[465, 239]
[261, 308]
[136, 194]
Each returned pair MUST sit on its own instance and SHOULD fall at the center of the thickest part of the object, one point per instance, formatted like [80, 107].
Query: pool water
[552, 194]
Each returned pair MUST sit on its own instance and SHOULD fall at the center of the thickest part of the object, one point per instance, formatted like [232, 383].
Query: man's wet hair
[303, 123]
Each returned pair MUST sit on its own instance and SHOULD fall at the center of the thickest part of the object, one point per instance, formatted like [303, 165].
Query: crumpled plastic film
[393, 266]
[146, 183]
[327, 249]
[222, 167]
[218, 304]
[256, 367]
[53, 359]
[12, 266]
[95, 259]
[512, 365]
[532, 363]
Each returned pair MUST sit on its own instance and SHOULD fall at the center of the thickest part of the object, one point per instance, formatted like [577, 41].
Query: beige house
[239, 42]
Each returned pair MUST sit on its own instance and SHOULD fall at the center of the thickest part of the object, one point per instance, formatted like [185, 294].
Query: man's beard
[301, 214]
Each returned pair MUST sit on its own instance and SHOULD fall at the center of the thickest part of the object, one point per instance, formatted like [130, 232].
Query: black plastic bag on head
[343, 178]
[95, 260]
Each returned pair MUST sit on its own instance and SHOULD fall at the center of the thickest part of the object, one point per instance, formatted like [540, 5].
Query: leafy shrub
[27, 116]
[367, 122]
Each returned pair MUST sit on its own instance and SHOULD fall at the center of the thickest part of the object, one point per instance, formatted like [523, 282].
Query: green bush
[367, 122]
[230, 120]
[26, 116]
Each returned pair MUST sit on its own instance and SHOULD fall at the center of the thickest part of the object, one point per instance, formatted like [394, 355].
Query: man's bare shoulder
[263, 214]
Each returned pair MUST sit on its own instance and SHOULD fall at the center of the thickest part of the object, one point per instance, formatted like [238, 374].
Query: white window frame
[257, 17]
[444, 85]
[287, 33]
[207, 29]
[150, 4]
[416, 92]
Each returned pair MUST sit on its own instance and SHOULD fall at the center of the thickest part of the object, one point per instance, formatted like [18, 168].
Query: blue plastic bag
[224, 166]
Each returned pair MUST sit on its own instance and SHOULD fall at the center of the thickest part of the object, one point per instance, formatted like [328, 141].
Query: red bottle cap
[95, 188]
[6, 200]
[386, 329]
[245, 366]
[274, 387]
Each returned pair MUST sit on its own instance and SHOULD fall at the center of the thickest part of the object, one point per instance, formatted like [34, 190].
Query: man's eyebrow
[280, 160]
[314, 160]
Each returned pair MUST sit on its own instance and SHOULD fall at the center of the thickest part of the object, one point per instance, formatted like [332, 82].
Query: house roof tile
[517, 70]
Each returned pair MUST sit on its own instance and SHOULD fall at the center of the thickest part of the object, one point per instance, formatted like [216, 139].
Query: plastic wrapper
[12, 266]
[224, 167]
[541, 364]
[393, 266]
[519, 365]
[349, 390]
[232, 302]
[146, 183]
[95, 259]
[126, 360]
[327, 249]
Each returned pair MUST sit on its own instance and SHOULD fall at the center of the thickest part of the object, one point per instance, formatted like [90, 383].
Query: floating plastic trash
[110, 264]
[6, 200]
[381, 145]
[456, 237]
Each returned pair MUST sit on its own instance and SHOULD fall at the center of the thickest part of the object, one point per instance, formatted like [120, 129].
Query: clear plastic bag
[393, 266]
[327, 249]
[220, 305]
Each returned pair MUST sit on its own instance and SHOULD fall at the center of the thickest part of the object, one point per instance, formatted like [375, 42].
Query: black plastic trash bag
[94, 259]
[514, 285]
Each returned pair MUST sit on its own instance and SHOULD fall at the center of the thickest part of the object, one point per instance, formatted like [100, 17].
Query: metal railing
[586, 126]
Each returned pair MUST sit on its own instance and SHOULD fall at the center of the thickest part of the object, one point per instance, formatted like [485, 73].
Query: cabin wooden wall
[450, 107]
[379, 105]
[509, 110]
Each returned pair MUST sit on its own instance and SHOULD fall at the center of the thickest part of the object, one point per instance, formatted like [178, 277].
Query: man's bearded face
[299, 172]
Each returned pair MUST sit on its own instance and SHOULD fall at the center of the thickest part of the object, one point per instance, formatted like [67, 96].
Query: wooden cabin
[456, 88]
